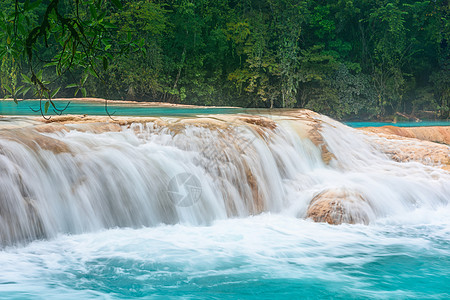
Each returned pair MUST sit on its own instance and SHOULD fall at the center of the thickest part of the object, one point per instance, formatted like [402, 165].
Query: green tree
[345, 58]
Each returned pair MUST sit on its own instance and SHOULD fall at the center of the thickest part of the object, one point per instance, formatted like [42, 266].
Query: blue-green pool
[24, 108]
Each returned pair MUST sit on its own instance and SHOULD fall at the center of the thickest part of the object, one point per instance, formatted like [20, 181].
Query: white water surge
[97, 180]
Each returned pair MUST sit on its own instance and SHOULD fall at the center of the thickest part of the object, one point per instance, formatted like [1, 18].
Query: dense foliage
[344, 58]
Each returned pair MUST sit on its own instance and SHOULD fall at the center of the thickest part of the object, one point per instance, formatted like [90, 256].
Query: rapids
[84, 177]
[220, 206]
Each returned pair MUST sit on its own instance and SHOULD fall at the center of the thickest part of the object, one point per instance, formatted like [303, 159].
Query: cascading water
[82, 178]
[87, 181]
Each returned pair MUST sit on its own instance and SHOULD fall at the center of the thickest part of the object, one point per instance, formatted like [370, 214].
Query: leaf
[55, 92]
[83, 91]
[117, 4]
[109, 25]
[93, 11]
[105, 63]
[91, 71]
[71, 85]
[54, 63]
[25, 6]
[25, 91]
[21, 28]
[39, 74]
[46, 106]
[8, 88]
[34, 4]
[26, 79]
[83, 81]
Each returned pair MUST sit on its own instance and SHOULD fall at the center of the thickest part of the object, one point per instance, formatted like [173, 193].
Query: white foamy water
[121, 179]
[95, 217]
[266, 256]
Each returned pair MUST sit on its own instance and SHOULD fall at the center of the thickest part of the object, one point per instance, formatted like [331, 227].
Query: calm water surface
[23, 108]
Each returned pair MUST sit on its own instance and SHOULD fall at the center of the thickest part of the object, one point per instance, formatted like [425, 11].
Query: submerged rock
[35, 140]
[55, 180]
[337, 206]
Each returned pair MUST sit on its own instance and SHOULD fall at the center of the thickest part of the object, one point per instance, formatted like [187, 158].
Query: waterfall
[76, 178]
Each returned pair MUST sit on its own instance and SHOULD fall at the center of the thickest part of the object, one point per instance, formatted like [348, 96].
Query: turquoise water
[23, 108]
[399, 124]
[98, 109]
[262, 257]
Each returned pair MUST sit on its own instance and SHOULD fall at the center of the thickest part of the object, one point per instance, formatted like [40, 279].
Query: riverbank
[436, 134]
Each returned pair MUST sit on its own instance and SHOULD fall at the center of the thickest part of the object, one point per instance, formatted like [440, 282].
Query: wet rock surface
[337, 206]
[406, 149]
[333, 206]
[437, 134]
